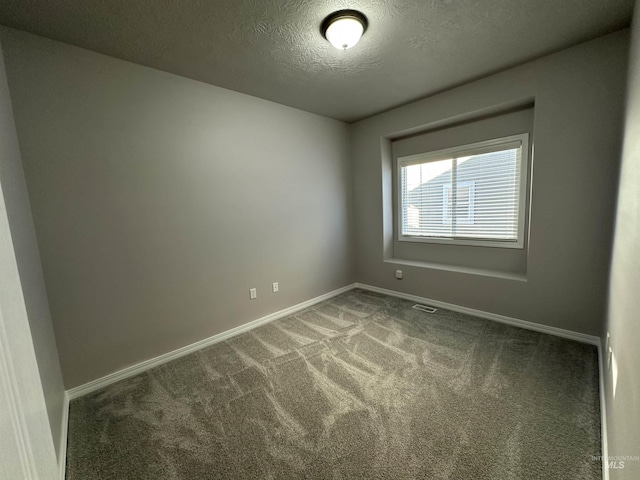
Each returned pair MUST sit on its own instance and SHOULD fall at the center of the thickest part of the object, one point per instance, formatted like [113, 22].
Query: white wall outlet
[399, 274]
[276, 287]
[253, 293]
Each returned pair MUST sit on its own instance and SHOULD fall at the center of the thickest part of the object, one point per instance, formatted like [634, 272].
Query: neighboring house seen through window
[464, 202]
[468, 195]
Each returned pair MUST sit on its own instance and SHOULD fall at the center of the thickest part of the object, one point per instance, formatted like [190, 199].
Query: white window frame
[512, 141]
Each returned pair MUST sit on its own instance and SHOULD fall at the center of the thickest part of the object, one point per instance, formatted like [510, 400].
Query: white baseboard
[603, 414]
[167, 357]
[62, 453]
[558, 332]
[180, 352]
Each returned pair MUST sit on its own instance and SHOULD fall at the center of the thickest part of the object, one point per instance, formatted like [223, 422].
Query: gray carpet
[358, 387]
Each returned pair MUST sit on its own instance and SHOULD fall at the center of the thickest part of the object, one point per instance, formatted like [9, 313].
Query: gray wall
[159, 201]
[623, 411]
[25, 249]
[578, 95]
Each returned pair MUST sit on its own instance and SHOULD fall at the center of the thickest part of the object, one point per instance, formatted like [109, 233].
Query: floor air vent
[425, 308]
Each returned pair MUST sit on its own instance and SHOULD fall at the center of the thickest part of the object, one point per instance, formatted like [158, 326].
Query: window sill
[519, 244]
[458, 269]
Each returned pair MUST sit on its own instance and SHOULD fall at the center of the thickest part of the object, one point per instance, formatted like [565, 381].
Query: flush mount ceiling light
[344, 28]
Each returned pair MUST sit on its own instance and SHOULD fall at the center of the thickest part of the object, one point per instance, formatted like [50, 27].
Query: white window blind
[469, 193]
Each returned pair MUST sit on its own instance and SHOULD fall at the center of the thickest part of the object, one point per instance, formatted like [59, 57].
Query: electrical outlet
[253, 293]
[399, 274]
[276, 287]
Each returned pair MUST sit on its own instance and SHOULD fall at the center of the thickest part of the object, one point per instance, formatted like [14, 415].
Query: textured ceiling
[274, 50]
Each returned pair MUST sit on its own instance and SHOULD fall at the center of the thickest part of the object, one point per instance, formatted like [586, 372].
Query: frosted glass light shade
[344, 33]
[343, 29]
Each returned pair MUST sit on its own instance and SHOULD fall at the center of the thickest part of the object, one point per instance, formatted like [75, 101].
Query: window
[468, 195]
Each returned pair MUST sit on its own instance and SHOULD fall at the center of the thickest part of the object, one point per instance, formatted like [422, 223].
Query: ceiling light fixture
[344, 28]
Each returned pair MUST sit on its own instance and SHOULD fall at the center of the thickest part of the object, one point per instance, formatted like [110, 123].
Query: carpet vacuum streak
[360, 386]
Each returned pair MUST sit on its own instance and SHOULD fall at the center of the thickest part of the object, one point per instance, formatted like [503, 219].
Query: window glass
[468, 193]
